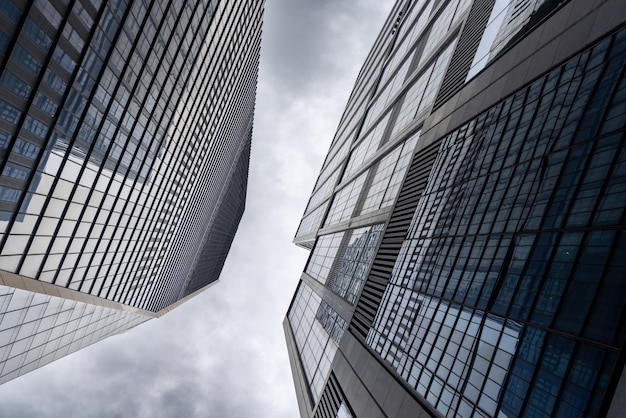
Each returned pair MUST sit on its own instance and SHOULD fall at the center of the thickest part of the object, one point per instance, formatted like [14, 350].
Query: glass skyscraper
[125, 131]
[468, 226]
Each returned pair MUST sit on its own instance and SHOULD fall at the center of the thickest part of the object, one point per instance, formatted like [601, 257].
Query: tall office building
[125, 131]
[467, 229]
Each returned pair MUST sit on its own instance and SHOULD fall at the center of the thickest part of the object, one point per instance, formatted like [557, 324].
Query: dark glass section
[505, 297]
[219, 238]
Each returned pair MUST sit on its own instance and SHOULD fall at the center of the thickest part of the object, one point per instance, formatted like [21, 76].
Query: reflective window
[323, 256]
[389, 175]
[9, 194]
[10, 11]
[15, 171]
[4, 42]
[119, 139]
[357, 255]
[345, 201]
[36, 34]
[9, 113]
[49, 11]
[366, 148]
[506, 19]
[310, 223]
[14, 84]
[343, 411]
[26, 149]
[323, 191]
[37, 329]
[317, 329]
[26, 60]
[45, 103]
[499, 301]
[448, 15]
[421, 94]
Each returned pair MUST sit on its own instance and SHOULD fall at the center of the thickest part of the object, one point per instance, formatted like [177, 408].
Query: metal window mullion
[130, 137]
[163, 115]
[196, 99]
[16, 127]
[16, 33]
[104, 118]
[69, 88]
[92, 146]
[205, 94]
[160, 164]
[524, 322]
[119, 83]
[19, 127]
[131, 130]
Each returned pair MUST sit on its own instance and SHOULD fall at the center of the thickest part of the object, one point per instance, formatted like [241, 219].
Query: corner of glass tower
[125, 134]
[467, 227]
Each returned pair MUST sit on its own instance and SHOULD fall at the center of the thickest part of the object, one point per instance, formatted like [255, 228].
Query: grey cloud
[304, 36]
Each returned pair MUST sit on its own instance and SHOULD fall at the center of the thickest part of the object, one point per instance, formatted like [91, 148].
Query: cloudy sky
[223, 354]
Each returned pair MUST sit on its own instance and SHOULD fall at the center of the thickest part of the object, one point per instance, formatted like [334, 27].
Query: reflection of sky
[491, 31]
[449, 351]
[316, 327]
[498, 32]
[89, 177]
[90, 187]
[55, 327]
[343, 411]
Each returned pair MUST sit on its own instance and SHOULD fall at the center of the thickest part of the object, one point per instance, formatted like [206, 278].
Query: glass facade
[506, 20]
[475, 249]
[341, 260]
[125, 132]
[355, 261]
[511, 227]
[461, 357]
[36, 329]
[317, 330]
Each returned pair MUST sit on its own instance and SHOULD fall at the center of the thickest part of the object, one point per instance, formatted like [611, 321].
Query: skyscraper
[467, 228]
[125, 132]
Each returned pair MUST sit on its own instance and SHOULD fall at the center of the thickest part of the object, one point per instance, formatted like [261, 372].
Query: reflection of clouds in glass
[323, 256]
[92, 191]
[450, 354]
[317, 329]
[506, 19]
[489, 36]
[55, 328]
[343, 411]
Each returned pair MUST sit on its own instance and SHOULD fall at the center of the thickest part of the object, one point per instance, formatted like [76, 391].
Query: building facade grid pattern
[125, 134]
[36, 329]
[506, 298]
[512, 223]
[317, 330]
[94, 203]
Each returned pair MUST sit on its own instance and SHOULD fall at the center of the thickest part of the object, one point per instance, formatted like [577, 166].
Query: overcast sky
[223, 354]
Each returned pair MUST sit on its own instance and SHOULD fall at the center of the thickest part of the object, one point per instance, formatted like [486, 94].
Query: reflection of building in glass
[125, 133]
[518, 13]
[483, 149]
